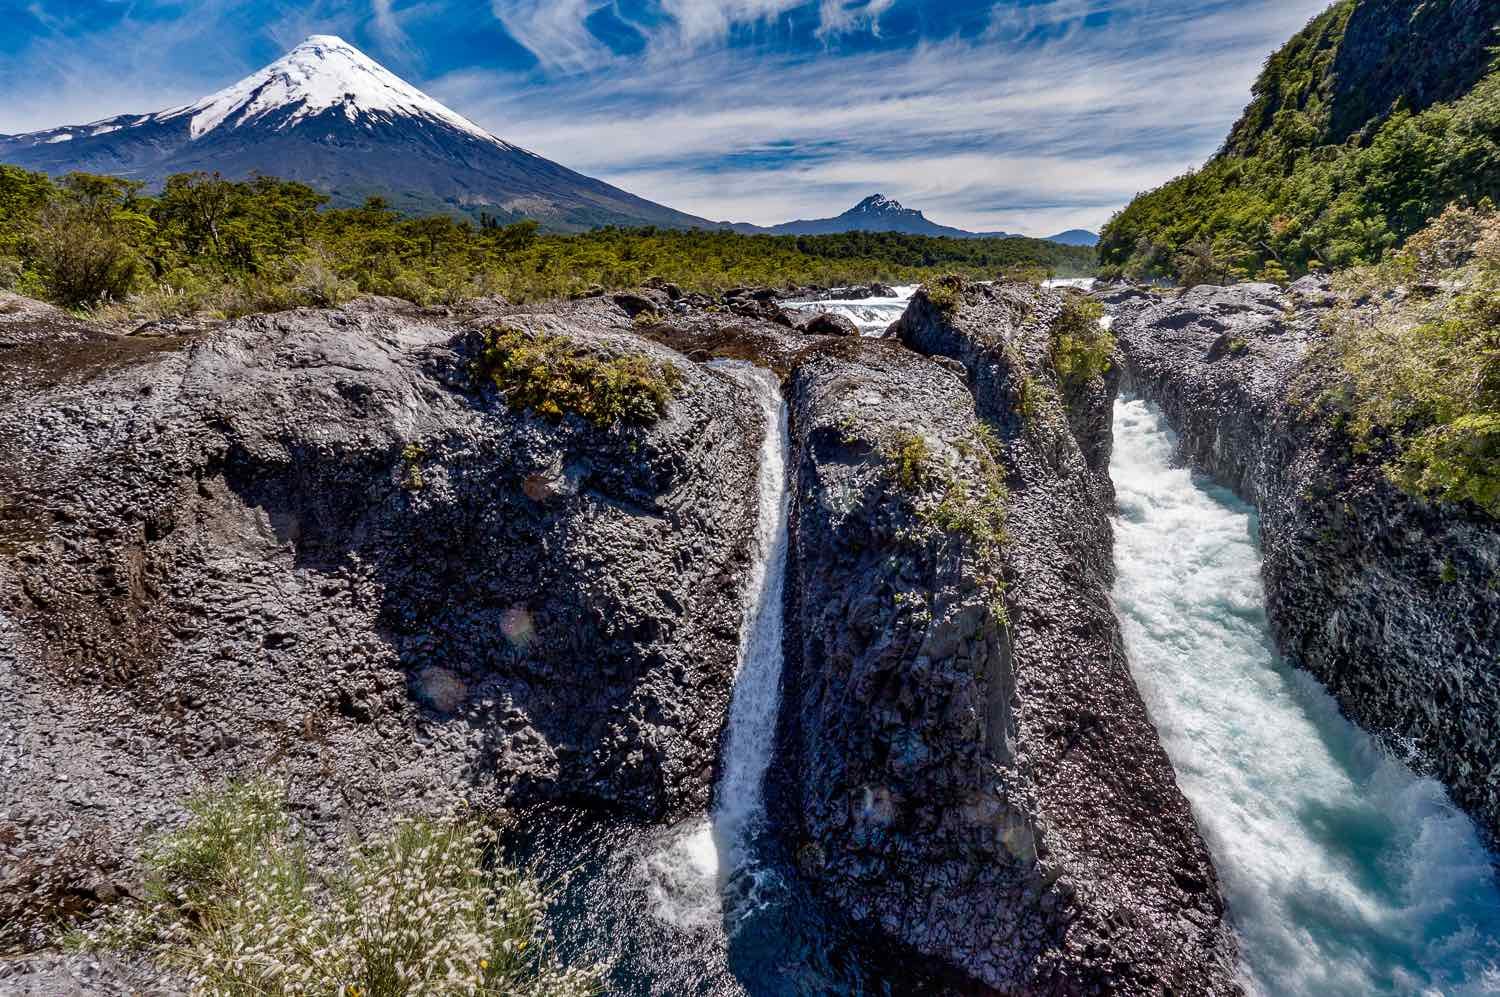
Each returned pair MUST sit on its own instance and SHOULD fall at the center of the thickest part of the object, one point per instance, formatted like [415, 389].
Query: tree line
[204, 243]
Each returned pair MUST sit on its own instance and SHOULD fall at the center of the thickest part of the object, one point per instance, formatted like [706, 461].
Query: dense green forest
[206, 244]
[1303, 182]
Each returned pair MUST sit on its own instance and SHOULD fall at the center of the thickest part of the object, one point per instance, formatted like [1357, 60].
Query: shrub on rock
[554, 376]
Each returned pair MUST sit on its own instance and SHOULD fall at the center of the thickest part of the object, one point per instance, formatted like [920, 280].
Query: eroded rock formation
[978, 778]
[312, 543]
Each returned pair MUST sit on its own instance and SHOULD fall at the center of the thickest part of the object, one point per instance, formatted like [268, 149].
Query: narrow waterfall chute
[688, 869]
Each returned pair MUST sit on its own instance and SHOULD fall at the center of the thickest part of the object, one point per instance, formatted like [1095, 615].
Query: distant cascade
[1344, 873]
[872, 315]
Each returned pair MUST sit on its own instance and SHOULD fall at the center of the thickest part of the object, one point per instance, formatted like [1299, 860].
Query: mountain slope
[1361, 129]
[1355, 63]
[878, 213]
[328, 115]
[1075, 237]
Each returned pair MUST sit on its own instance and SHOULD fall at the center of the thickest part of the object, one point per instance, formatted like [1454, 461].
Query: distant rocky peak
[879, 204]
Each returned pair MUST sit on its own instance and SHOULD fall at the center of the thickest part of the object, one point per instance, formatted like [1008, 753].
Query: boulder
[641, 302]
[829, 324]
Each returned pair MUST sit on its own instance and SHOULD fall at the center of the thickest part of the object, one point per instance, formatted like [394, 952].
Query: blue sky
[1023, 115]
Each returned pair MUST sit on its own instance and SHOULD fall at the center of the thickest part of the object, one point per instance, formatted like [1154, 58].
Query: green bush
[946, 500]
[969, 507]
[946, 293]
[235, 906]
[1420, 376]
[1081, 347]
[554, 376]
[86, 240]
[909, 455]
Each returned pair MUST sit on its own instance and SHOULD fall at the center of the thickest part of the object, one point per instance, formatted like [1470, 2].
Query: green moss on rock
[554, 376]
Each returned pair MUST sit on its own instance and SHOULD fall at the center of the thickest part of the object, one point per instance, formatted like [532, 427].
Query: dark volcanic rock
[990, 795]
[1391, 602]
[829, 324]
[642, 302]
[308, 545]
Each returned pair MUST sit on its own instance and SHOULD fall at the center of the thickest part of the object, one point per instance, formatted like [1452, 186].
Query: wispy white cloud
[1052, 117]
[386, 24]
[1057, 133]
[841, 16]
[556, 32]
[694, 23]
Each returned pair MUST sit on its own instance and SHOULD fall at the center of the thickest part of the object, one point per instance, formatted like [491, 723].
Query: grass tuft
[233, 904]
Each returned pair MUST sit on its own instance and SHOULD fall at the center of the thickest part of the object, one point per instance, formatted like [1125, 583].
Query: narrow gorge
[1344, 873]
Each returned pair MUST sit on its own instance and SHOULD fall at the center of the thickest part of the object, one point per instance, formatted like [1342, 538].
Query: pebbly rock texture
[311, 544]
[1391, 602]
[828, 324]
[990, 794]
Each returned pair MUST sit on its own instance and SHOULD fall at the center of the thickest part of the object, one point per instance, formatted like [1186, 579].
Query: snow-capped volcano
[323, 73]
[330, 116]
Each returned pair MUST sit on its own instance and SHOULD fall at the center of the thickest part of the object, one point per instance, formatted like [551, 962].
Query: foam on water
[1345, 874]
[687, 871]
[872, 315]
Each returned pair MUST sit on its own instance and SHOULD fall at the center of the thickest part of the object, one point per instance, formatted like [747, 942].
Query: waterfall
[740, 805]
[1343, 871]
[872, 315]
[687, 872]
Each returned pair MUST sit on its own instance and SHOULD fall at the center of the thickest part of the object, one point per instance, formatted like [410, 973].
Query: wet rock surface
[1391, 602]
[311, 545]
[828, 324]
[986, 792]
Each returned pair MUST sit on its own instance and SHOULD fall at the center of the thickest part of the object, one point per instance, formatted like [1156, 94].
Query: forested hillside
[205, 244]
[1363, 128]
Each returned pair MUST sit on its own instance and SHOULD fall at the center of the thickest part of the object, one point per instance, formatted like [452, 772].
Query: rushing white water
[1081, 283]
[875, 315]
[757, 686]
[1345, 874]
[688, 869]
[872, 315]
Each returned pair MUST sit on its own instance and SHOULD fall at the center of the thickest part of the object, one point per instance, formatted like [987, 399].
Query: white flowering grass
[234, 906]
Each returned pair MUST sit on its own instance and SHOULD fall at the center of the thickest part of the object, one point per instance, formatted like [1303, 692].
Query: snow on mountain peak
[323, 72]
[879, 204]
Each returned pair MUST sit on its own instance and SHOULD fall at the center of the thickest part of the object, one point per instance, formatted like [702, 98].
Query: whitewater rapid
[689, 874]
[872, 315]
[1345, 874]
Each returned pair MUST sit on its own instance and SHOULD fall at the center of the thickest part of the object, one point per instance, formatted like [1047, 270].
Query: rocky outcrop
[828, 324]
[1391, 602]
[975, 773]
[312, 544]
